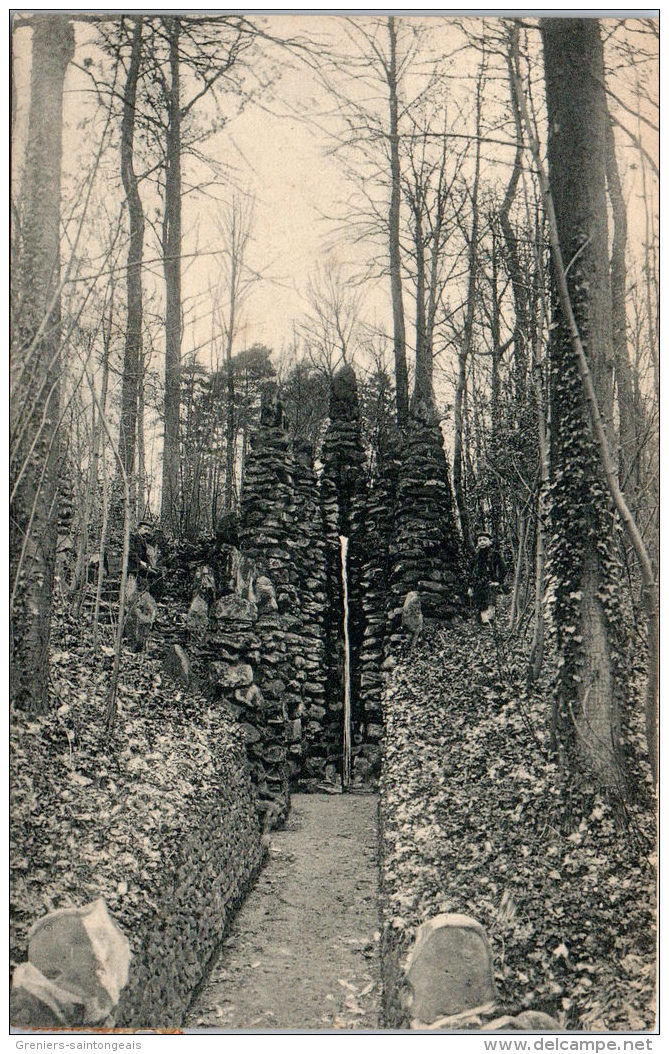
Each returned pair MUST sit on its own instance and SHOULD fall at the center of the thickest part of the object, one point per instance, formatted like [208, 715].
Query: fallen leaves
[477, 819]
[92, 817]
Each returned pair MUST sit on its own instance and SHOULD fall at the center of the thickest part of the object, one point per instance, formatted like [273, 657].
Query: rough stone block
[176, 663]
[527, 1021]
[197, 619]
[293, 730]
[362, 767]
[36, 1002]
[251, 697]
[236, 676]
[205, 583]
[83, 951]
[265, 595]
[449, 969]
[251, 733]
[235, 607]
[412, 614]
[274, 687]
[141, 616]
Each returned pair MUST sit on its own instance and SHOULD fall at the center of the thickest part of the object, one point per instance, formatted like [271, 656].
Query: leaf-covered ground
[478, 820]
[95, 816]
[302, 952]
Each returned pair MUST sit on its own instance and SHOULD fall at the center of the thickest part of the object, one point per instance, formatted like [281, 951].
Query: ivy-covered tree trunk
[590, 686]
[36, 369]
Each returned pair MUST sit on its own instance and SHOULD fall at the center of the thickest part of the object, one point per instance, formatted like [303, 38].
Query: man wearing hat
[487, 573]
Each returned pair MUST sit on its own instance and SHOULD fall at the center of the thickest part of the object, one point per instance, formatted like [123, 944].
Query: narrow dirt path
[303, 950]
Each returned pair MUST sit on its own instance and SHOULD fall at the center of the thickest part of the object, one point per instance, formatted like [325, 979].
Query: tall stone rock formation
[267, 533]
[379, 527]
[281, 528]
[309, 651]
[228, 642]
[425, 548]
[267, 503]
[343, 500]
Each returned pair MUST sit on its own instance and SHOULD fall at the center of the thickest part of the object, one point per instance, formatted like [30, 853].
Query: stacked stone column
[281, 528]
[425, 550]
[379, 527]
[309, 650]
[226, 632]
[272, 752]
[266, 532]
[343, 498]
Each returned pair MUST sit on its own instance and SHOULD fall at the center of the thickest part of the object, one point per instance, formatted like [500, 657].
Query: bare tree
[431, 170]
[331, 328]
[172, 268]
[237, 279]
[133, 334]
[36, 360]
[468, 326]
[390, 68]
[382, 53]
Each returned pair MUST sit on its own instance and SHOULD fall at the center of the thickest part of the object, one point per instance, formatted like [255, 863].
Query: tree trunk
[111, 701]
[140, 510]
[436, 252]
[423, 389]
[538, 637]
[650, 275]
[627, 437]
[591, 686]
[458, 427]
[516, 606]
[78, 579]
[169, 508]
[133, 333]
[495, 441]
[230, 437]
[467, 336]
[33, 532]
[518, 286]
[399, 332]
[230, 427]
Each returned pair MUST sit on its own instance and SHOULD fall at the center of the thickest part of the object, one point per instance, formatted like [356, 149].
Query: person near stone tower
[488, 572]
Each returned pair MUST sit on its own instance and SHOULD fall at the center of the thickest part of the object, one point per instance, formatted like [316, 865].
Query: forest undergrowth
[94, 815]
[477, 816]
[478, 819]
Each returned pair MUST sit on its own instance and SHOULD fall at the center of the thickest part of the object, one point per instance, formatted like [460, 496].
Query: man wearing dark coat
[488, 573]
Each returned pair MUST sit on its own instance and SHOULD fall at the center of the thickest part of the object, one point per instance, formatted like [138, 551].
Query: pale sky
[282, 161]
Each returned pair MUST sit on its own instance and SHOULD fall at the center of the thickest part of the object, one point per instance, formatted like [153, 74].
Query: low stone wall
[159, 820]
[206, 875]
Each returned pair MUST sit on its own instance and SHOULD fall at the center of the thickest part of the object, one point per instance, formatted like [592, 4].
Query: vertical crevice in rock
[343, 500]
[425, 548]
